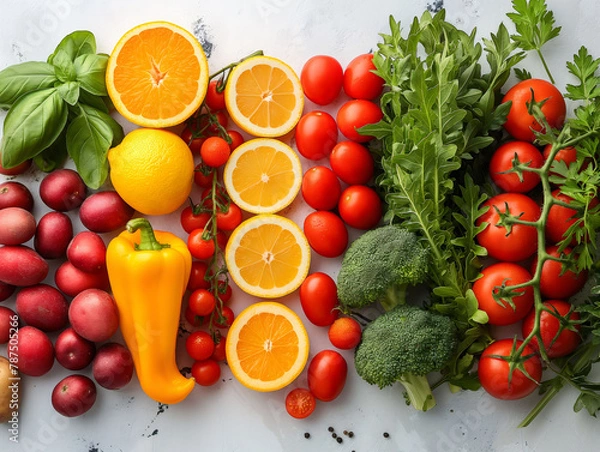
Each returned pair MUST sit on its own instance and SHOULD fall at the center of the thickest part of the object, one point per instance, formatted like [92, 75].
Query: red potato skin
[113, 366]
[72, 281]
[74, 395]
[87, 252]
[15, 194]
[15, 170]
[6, 291]
[22, 266]
[53, 235]
[72, 351]
[63, 190]
[43, 306]
[17, 226]
[94, 315]
[36, 352]
[105, 212]
[8, 321]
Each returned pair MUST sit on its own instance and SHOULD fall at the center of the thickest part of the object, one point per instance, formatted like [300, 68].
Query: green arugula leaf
[78, 43]
[22, 78]
[91, 71]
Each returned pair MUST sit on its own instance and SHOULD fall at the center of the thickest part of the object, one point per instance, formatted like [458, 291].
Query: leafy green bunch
[60, 108]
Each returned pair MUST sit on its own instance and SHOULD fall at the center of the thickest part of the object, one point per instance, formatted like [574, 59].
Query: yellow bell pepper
[149, 272]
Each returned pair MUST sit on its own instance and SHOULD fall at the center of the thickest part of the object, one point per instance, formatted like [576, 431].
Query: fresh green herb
[59, 108]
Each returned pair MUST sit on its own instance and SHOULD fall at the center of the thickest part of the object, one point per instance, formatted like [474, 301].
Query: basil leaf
[64, 67]
[69, 92]
[31, 125]
[89, 137]
[99, 103]
[91, 71]
[54, 156]
[74, 44]
[23, 78]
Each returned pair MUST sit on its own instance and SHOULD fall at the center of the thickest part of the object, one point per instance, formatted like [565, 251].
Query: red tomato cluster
[339, 192]
[515, 170]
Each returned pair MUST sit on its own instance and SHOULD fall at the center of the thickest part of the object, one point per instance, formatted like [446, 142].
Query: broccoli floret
[379, 266]
[404, 345]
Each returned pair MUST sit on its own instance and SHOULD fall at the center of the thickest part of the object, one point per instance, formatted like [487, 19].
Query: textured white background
[227, 417]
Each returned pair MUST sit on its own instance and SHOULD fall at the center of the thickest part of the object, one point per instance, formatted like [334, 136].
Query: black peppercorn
[386, 435]
[307, 435]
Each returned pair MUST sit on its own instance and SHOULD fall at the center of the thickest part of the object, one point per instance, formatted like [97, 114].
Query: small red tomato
[318, 297]
[199, 345]
[321, 188]
[345, 333]
[326, 233]
[360, 207]
[321, 78]
[236, 139]
[206, 372]
[215, 95]
[230, 219]
[219, 353]
[567, 155]
[327, 374]
[556, 284]
[352, 163]
[225, 291]
[193, 319]
[199, 247]
[560, 218]
[360, 82]
[194, 143]
[202, 302]
[198, 276]
[203, 175]
[215, 152]
[190, 221]
[503, 161]
[300, 403]
[226, 319]
[355, 114]
[316, 135]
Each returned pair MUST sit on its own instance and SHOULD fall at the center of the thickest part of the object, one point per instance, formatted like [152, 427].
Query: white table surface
[227, 416]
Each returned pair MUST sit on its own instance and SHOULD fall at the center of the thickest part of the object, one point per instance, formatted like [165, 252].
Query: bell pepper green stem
[148, 240]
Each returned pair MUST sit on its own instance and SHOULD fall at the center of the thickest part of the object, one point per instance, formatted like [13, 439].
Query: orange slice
[264, 96]
[267, 346]
[268, 256]
[263, 175]
[157, 75]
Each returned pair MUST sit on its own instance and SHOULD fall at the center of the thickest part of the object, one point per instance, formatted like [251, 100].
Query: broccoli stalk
[418, 391]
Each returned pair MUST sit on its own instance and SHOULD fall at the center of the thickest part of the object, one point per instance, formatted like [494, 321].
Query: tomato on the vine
[225, 291]
[360, 82]
[215, 152]
[505, 311]
[215, 95]
[556, 342]
[198, 276]
[352, 163]
[227, 318]
[326, 233]
[199, 345]
[199, 247]
[519, 123]
[187, 135]
[360, 207]
[556, 283]
[202, 302]
[190, 220]
[321, 79]
[236, 139]
[327, 372]
[355, 114]
[316, 135]
[203, 175]
[206, 372]
[495, 376]
[321, 189]
[560, 218]
[300, 403]
[318, 298]
[219, 353]
[230, 219]
[521, 242]
[567, 155]
[501, 165]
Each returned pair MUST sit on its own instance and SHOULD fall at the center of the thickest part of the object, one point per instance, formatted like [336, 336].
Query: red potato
[22, 266]
[36, 352]
[72, 281]
[94, 315]
[74, 395]
[63, 190]
[9, 322]
[87, 252]
[15, 194]
[73, 351]
[17, 226]
[6, 291]
[113, 366]
[53, 235]
[15, 170]
[43, 306]
[105, 212]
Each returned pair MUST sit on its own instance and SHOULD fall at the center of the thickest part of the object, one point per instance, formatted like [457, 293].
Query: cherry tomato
[560, 218]
[236, 139]
[193, 143]
[321, 78]
[345, 333]
[326, 233]
[199, 247]
[521, 242]
[519, 123]
[554, 284]
[300, 403]
[198, 276]
[316, 135]
[505, 311]
[193, 319]
[190, 221]
[355, 114]
[215, 95]
[555, 313]
[501, 165]
[219, 353]
[352, 163]
[199, 345]
[225, 291]
[202, 302]
[215, 152]
[360, 82]
[227, 318]
[327, 373]
[229, 220]
[360, 207]
[318, 298]
[206, 372]
[222, 120]
[567, 155]
[494, 371]
[203, 175]
[321, 189]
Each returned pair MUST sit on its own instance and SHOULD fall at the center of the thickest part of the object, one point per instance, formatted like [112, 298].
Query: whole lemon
[152, 170]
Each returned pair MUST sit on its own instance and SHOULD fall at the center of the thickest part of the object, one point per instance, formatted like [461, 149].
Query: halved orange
[267, 346]
[268, 256]
[157, 75]
[263, 175]
[264, 96]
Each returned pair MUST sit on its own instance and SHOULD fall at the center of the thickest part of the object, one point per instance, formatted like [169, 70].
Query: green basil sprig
[60, 108]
